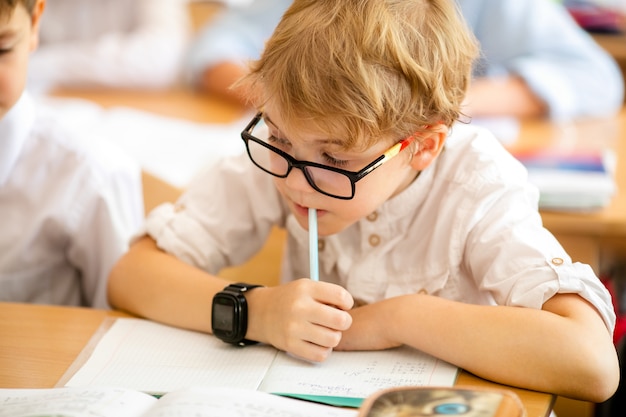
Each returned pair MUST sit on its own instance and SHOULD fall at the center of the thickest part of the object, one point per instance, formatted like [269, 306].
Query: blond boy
[430, 235]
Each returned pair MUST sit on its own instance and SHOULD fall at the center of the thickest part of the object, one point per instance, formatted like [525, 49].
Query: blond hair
[361, 70]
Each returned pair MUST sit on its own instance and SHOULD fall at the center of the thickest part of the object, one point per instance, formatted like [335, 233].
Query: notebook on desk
[150, 357]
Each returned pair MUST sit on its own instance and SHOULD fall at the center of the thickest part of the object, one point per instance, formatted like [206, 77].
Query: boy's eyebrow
[323, 141]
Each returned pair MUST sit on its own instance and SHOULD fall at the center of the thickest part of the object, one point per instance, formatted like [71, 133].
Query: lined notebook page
[151, 357]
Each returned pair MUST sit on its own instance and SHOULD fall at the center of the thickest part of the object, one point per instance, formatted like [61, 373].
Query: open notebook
[146, 356]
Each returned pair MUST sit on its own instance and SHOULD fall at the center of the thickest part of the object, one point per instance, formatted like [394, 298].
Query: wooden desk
[613, 43]
[202, 11]
[38, 343]
[179, 102]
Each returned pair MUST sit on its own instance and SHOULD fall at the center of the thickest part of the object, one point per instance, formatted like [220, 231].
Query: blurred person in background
[69, 202]
[135, 44]
[536, 61]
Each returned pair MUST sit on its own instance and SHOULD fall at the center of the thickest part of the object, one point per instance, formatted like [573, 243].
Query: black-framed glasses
[328, 180]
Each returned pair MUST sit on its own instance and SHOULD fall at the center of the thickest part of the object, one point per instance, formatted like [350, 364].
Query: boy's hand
[305, 318]
[374, 327]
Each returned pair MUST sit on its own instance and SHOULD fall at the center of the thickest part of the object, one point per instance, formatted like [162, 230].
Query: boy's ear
[38, 9]
[429, 147]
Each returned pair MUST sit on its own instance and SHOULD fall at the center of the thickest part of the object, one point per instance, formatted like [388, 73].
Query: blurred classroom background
[172, 141]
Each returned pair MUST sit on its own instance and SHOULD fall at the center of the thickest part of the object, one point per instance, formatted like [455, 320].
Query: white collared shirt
[468, 229]
[68, 207]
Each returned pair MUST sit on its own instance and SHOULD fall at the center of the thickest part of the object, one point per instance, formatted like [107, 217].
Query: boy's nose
[297, 181]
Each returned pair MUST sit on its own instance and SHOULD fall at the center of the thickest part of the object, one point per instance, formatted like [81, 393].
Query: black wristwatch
[229, 317]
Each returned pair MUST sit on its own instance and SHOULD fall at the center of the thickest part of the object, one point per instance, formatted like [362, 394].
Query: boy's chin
[323, 230]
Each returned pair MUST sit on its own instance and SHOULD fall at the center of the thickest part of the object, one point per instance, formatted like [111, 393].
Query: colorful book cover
[571, 181]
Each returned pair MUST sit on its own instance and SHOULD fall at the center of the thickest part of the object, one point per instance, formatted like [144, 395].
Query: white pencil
[313, 255]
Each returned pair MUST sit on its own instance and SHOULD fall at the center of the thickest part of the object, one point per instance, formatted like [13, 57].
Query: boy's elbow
[599, 389]
[131, 275]
[605, 384]
[600, 378]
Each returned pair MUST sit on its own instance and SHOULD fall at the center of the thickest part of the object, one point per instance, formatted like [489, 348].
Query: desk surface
[614, 44]
[39, 343]
[176, 102]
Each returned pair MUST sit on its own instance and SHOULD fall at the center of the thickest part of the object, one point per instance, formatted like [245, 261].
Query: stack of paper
[575, 181]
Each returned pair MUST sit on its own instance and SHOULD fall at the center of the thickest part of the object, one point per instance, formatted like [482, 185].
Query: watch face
[224, 315]
[229, 316]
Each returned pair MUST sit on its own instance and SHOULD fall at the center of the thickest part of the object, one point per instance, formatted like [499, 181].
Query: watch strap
[241, 287]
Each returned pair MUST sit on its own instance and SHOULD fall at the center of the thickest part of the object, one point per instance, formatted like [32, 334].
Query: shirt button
[321, 244]
[372, 217]
[374, 240]
[557, 261]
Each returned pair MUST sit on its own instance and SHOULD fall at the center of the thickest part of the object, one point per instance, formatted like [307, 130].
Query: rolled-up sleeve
[223, 218]
[520, 263]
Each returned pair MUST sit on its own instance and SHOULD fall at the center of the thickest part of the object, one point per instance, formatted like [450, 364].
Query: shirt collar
[15, 127]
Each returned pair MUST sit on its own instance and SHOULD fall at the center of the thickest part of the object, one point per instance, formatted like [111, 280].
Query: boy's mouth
[301, 210]
[304, 210]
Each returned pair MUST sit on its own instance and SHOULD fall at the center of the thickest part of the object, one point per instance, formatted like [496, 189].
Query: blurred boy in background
[68, 203]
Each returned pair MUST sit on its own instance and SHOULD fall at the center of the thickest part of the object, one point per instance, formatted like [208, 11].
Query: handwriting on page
[357, 374]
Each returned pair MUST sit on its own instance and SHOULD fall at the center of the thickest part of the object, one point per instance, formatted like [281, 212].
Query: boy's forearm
[518, 346]
[506, 96]
[219, 78]
[151, 283]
